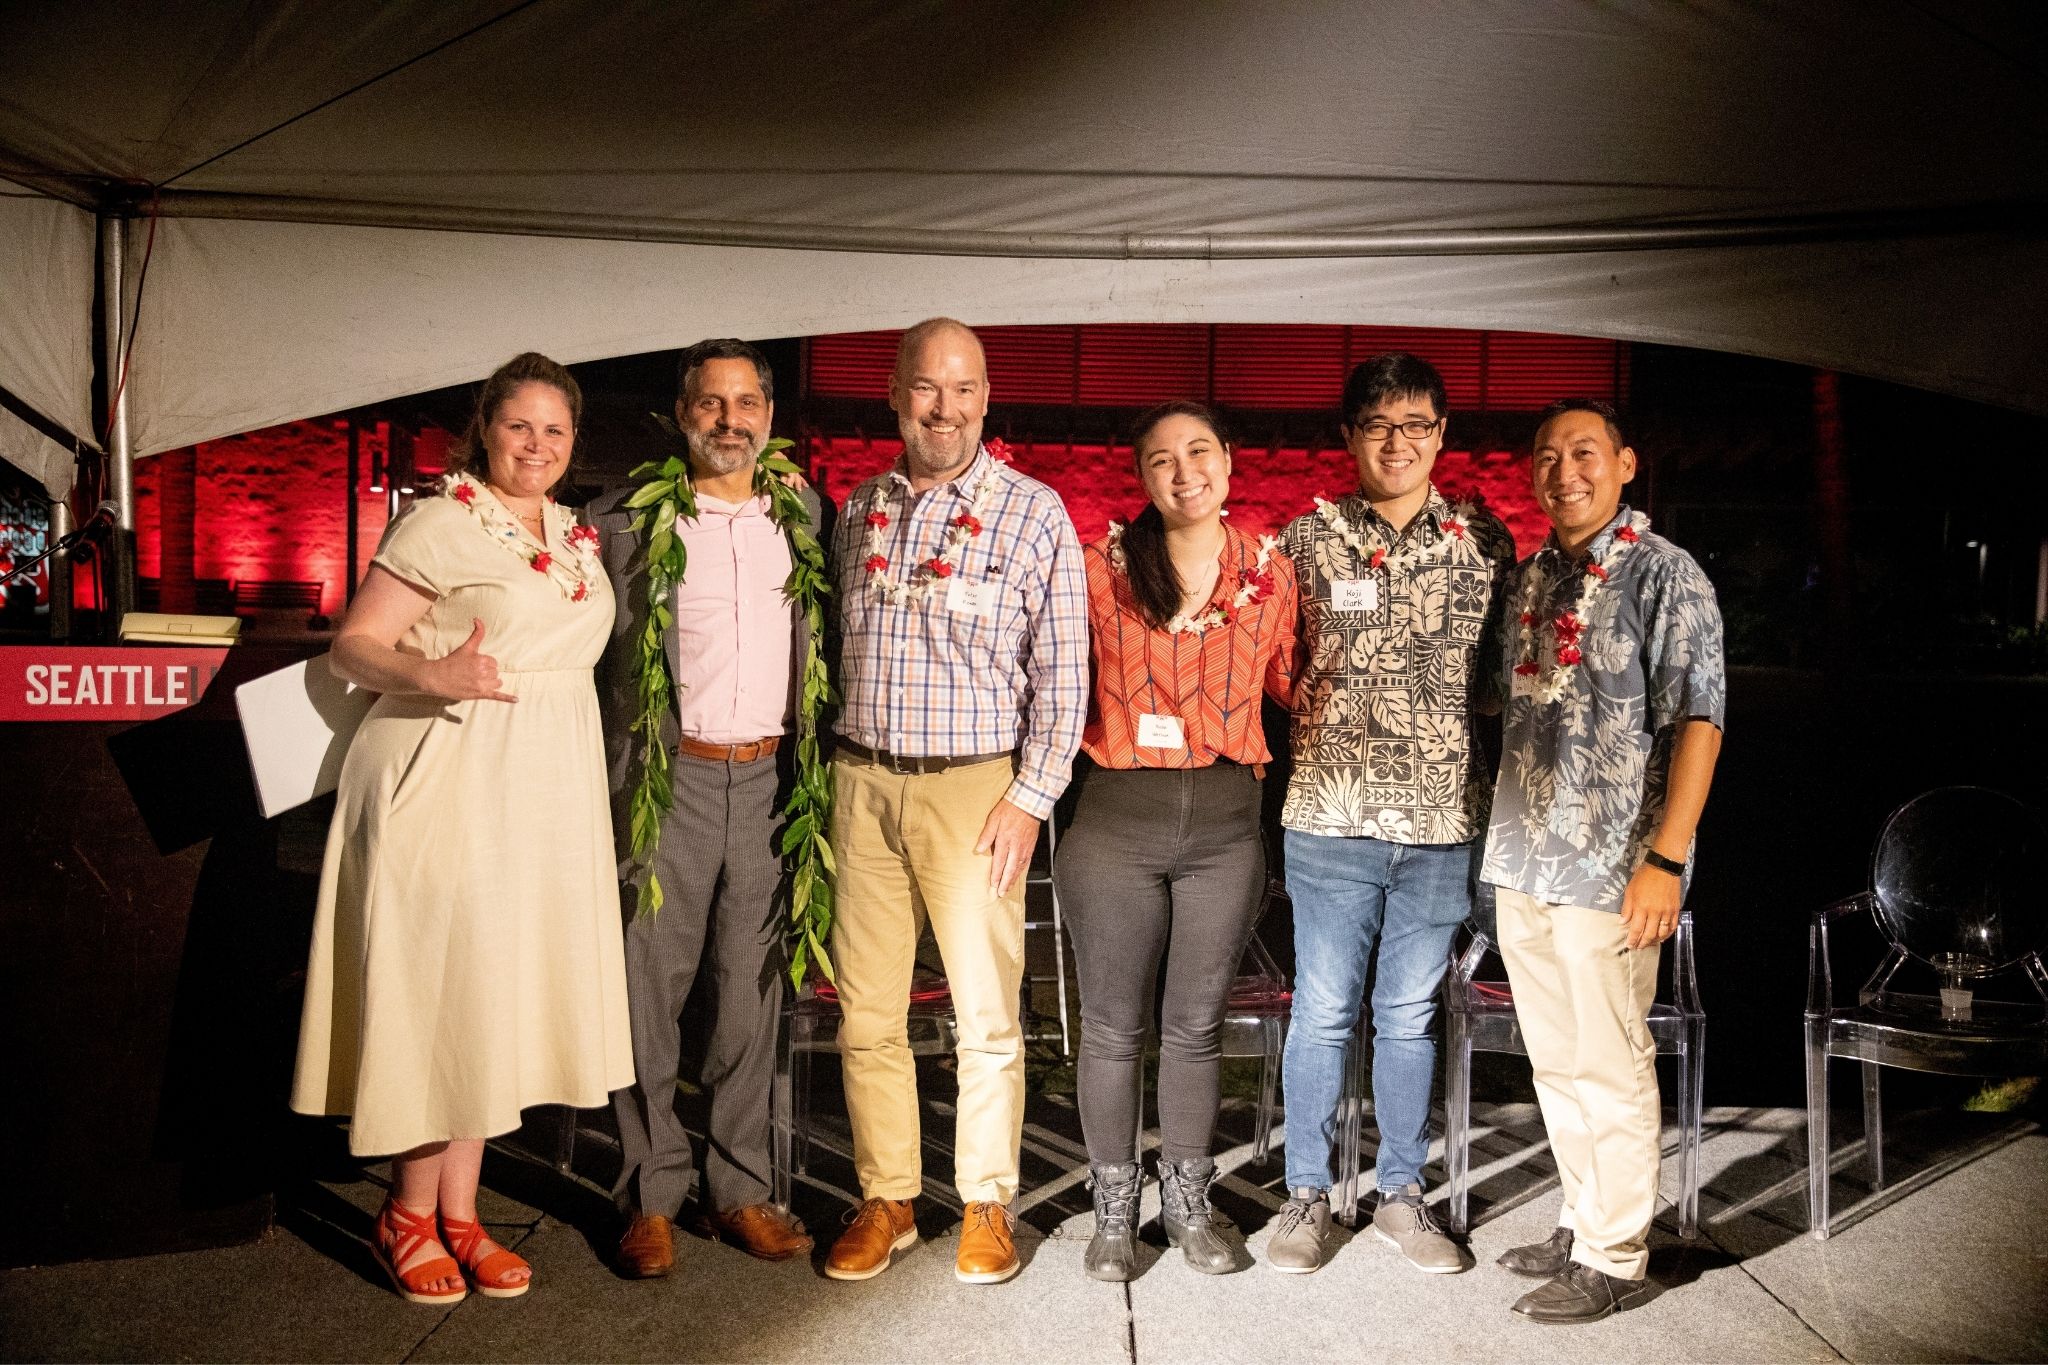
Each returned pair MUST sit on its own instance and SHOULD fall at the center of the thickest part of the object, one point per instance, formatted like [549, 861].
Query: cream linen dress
[467, 950]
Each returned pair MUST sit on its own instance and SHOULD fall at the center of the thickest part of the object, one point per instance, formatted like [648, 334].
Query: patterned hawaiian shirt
[1583, 779]
[1383, 743]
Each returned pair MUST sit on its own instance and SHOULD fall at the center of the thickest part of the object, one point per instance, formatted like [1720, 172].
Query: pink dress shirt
[735, 629]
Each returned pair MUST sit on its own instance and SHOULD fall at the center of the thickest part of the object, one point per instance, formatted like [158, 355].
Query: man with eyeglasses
[1400, 593]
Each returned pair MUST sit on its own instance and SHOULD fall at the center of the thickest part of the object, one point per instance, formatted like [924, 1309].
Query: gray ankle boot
[1113, 1251]
[1190, 1223]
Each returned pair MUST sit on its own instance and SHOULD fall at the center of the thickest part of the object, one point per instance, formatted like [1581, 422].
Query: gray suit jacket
[617, 698]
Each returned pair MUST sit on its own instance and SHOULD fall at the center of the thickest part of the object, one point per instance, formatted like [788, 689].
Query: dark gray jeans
[1159, 863]
[720, 925]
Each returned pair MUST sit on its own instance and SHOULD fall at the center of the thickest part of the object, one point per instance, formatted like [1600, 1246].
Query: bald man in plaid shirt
[964, 614]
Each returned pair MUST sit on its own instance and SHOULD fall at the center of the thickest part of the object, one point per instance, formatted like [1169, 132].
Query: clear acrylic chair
[810, 1024]
[1480, 1015]
[1255, 1024]
[1955, 888]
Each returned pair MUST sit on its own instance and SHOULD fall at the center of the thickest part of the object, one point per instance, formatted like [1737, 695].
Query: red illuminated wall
[1267, 488]
[1240, 366]
[271, 504]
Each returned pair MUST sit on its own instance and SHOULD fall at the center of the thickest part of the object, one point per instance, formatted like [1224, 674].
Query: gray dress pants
[720, 925]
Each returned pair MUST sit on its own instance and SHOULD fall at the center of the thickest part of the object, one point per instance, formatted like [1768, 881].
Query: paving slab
[1368, 1304]
[721, 1305]
[1950, 1271]
[1953, 1271]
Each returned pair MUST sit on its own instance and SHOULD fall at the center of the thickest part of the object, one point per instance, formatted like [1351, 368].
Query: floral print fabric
[1383, 744]
[1583, 779]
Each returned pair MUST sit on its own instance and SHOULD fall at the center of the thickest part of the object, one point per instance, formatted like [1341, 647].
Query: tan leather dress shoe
[647, 1251]
[760, 1230]
[988, 1245]
[882, 1228]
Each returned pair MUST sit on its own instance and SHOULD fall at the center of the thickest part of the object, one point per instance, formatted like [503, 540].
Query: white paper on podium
[297, 724]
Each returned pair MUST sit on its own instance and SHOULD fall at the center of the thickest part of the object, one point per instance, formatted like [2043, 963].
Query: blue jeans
[1348, 895]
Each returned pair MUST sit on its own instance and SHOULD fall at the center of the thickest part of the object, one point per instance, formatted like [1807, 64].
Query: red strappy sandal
[407, 1232]
[487, 1272]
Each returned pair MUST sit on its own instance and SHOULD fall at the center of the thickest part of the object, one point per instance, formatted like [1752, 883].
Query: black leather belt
[913, 765]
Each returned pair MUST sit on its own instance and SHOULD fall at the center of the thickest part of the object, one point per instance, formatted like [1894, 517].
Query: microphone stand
[101, 514]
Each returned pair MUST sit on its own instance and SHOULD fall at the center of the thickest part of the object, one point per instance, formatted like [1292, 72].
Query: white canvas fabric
[364, 199]
[46, 289]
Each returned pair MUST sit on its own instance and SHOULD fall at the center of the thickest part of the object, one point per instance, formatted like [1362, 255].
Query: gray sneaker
[1404, 1223]
[1301, 1237]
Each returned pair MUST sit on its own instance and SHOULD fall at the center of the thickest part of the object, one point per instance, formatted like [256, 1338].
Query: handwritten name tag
[1161, 732]
[1355, 594]
[966, 598]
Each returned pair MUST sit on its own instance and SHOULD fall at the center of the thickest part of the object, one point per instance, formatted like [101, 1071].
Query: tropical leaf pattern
[1383, 716]
[1583, 781]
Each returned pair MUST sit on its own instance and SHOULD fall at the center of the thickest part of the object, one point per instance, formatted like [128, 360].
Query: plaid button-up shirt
[919, 679]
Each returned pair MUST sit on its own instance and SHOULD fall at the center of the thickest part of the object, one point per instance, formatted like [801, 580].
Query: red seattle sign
[134, 682]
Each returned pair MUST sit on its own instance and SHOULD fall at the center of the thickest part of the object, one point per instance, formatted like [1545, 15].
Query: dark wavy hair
[1155, 584]
[529, 367]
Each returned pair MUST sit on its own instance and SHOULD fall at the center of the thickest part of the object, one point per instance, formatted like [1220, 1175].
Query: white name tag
[972, 599]
[1161, 732]
[1355, 594]
[1524, 685]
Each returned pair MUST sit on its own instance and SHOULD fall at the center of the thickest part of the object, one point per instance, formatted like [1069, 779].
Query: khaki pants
[904, 847]
[1583, 998]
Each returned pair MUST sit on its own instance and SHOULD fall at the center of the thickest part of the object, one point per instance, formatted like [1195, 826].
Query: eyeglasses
[1414, 431]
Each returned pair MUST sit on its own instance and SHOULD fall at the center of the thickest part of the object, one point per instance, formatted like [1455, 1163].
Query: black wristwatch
[1652, 858]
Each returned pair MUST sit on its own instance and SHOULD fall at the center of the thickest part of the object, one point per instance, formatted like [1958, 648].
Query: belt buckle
[902, 765]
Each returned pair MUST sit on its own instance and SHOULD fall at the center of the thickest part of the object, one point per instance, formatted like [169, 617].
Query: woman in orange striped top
[1192, 622]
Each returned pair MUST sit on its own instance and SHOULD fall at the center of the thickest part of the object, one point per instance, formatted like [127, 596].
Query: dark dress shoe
[1578, 1294]
[647, 1251]
[1540, 1260]
[760, 1230]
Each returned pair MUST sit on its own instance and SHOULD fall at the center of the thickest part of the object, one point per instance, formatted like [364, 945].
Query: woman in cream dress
[467, 957]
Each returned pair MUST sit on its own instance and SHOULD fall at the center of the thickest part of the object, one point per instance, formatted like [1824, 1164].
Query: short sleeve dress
[467, 954]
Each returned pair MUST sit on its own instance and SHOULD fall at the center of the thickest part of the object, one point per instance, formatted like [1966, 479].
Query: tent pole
[120, 453]
[60, 571]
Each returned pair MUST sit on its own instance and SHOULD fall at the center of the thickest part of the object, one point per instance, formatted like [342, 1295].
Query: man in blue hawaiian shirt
[1616, 698]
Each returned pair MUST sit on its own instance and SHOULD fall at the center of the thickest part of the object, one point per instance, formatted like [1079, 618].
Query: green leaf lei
[664, 495]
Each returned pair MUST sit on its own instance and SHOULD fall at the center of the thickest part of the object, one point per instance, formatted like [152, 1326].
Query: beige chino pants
[1582, 997]
[904, 846]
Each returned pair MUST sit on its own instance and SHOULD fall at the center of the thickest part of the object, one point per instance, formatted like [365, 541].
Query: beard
[714, 461]
[929, 456]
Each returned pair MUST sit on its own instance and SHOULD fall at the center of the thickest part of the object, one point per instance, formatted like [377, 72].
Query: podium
[152, 929]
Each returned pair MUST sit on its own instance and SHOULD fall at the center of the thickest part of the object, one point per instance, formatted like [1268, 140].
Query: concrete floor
[1947, 1264]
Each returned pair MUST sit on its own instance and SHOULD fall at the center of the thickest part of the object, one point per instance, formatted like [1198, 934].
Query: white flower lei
[1253, 587]
[1372, 550]
[1570, 625]
[572, 566]
[927, 575]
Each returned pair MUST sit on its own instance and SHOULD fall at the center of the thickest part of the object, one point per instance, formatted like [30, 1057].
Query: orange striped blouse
[1209, 682]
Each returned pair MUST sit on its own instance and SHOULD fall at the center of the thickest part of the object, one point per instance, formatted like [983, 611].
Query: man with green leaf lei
[713, 685]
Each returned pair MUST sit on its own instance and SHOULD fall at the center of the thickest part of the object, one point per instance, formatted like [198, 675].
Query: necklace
[1568, 627]
[1255, 585]
[1372, 548]
[572, 571]
[664, 499]
[925, 577]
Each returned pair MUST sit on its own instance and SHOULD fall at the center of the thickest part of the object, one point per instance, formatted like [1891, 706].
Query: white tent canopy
[356, 199]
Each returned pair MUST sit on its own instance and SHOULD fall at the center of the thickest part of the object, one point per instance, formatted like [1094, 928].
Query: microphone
[108, 510]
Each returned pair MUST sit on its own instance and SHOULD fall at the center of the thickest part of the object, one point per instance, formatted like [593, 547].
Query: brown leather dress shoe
[882, 1228]
[988, 1246]
[647, 1251]
[760, 1230]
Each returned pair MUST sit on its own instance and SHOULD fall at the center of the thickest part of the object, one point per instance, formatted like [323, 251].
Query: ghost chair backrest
[1957, 880]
